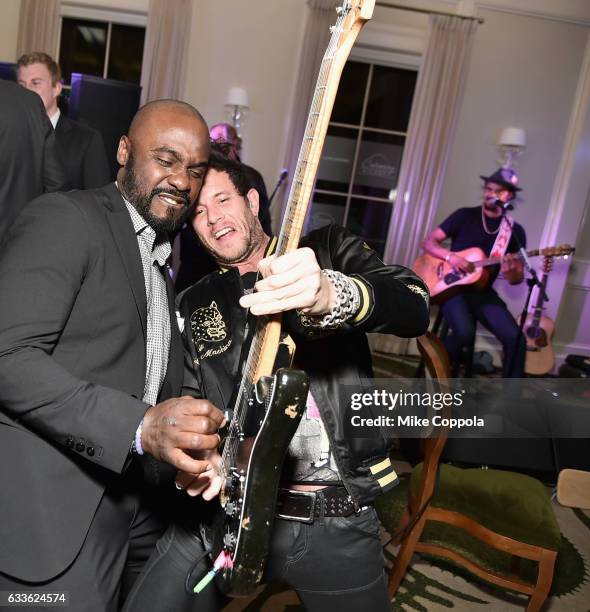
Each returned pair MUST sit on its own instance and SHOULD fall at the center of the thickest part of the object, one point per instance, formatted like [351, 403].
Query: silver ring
[178, 486]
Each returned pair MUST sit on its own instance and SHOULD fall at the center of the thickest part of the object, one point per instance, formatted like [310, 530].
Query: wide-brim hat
[506, 177]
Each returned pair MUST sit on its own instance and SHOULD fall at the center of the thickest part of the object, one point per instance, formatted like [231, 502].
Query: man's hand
[513, 269]
[208, 483]
[456, 261]
[174, 428]
[289, 282]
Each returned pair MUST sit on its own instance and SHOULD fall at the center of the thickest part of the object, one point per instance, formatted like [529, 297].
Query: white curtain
[435, 109]
[321, 15]
[165, 49]
[38, 27]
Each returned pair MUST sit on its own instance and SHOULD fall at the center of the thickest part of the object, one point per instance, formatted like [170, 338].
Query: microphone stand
[284, 174]
[532, 281]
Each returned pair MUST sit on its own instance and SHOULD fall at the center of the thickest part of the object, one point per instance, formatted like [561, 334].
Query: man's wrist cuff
[136, 446]
[348, 301]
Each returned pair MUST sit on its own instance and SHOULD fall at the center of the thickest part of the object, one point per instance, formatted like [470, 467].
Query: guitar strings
[238, 418]
[293, 201]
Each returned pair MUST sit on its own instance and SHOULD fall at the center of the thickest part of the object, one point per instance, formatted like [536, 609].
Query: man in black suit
[81, 147]
[27, 156]
[90, 352]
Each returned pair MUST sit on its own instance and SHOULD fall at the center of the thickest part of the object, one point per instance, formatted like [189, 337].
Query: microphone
[506, 206]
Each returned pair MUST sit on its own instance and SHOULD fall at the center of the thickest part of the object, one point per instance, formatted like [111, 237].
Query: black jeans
[461, 313]
[333, 563]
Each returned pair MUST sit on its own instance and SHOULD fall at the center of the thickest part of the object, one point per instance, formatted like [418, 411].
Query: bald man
[90, 355]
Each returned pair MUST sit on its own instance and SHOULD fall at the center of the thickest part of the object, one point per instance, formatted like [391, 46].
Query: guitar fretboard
[315, 132]
[491, 261]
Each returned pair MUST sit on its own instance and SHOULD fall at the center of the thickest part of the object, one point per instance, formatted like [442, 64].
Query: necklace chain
[485, 226]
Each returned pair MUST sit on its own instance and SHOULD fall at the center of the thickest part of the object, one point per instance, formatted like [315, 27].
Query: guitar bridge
[453, 276]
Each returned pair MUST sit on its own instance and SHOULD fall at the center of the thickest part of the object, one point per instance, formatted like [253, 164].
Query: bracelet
[348, 301]
[136, 446]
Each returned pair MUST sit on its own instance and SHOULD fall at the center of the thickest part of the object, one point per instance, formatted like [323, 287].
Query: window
[100, 48]
[359, 167]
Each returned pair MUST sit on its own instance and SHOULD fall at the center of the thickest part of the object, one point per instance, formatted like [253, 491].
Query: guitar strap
[503, 237]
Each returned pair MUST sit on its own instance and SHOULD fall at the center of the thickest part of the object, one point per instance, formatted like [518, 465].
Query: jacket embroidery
[208, 325]
[420, 291]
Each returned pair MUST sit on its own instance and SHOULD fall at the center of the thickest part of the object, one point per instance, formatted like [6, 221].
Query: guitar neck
[492, 261]
[343, 36]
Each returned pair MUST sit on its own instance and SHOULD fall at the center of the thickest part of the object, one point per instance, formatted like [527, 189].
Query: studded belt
[306, 506]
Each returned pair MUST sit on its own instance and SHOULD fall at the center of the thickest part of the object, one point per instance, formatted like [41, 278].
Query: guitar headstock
[357, 9]
[564, 250]
[547, 264]
[352, 14]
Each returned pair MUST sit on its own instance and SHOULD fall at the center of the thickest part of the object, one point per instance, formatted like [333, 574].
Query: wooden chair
[450, 495]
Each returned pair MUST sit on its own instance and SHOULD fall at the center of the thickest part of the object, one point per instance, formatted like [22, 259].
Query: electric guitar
[444, 280]
[268, 407]
[538, 331]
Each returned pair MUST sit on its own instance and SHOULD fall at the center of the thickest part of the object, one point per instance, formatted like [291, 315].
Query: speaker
[107, 105]
[7, 71]
[573, 453]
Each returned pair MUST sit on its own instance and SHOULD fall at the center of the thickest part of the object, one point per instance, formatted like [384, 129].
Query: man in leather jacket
[332, 290]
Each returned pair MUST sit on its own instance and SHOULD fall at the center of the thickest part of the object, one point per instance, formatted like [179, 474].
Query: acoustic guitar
[269, 405]
[444, 280]
[538, 331]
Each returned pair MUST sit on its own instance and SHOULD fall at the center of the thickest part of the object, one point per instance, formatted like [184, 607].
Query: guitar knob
[229, 540]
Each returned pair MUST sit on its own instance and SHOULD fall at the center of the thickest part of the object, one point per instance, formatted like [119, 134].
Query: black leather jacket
[394, 300]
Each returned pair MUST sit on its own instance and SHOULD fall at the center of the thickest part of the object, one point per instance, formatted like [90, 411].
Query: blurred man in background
[81, 148]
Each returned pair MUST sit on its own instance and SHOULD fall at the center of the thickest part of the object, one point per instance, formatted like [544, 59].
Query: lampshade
[237, 96]
[512, 137]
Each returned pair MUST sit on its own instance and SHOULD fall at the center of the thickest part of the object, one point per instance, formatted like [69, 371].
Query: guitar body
[250, 492]
[445, 281]
[540, 356]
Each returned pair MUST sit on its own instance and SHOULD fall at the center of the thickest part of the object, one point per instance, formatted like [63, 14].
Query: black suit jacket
[72, 367]
[81, 148]
[28, 162]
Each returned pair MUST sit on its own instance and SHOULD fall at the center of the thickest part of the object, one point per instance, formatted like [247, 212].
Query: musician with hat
[489, 228]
